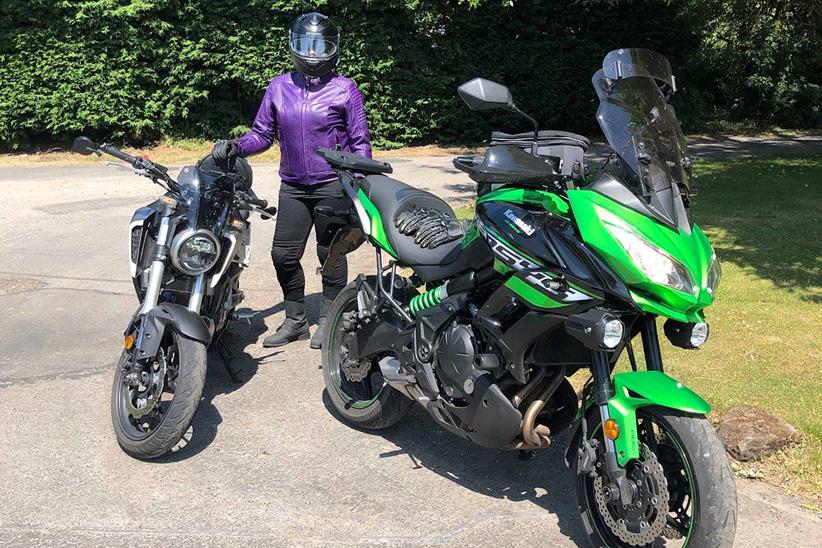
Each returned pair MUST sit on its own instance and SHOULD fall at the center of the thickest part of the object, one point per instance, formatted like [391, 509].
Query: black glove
[429, 227]
[224, 151]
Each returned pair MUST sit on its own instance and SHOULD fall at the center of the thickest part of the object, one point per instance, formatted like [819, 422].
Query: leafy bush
[138, 70]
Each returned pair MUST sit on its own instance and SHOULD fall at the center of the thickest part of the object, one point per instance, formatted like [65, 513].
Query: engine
[456, 360]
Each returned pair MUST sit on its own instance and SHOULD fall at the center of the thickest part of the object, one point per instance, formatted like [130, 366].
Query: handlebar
[119, 154]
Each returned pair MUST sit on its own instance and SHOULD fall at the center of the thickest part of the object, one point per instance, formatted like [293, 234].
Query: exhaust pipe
[523, 392]
[533, 434]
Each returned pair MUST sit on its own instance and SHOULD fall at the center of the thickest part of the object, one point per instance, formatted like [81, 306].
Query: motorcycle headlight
[657, 265]
[714, 274]
[195, 251]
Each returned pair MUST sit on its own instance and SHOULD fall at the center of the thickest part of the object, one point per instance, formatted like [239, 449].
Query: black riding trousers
[295, 216]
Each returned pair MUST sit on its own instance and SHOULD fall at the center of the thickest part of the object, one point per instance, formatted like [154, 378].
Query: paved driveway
[266, 462]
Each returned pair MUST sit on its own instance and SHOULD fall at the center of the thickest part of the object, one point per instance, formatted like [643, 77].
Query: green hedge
[140, 70]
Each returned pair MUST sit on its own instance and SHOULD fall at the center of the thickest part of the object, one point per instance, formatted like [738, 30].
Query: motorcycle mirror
[84, 146]
[482, 94]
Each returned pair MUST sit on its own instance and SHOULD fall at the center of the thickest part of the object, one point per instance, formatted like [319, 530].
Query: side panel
[377, 232]
[637, 389]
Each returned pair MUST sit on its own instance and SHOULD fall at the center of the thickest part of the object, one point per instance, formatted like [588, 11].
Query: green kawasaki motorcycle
[553, 274]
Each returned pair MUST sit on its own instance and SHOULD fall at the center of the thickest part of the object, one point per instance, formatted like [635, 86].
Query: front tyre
[151, 418]
[697, 490]
[357, 389]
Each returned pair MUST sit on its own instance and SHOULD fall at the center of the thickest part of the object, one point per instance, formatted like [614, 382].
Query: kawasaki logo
[522, 225]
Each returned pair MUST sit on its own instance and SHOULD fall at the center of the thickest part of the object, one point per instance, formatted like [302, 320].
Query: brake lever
[128, 167]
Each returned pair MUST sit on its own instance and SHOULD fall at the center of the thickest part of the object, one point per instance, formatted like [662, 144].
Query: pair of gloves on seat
[429, 227]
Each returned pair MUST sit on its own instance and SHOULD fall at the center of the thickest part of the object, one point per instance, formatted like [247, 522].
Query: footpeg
[243, 315]
[390, 369]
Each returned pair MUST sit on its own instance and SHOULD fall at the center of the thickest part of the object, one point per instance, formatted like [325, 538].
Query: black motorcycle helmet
[314, 43]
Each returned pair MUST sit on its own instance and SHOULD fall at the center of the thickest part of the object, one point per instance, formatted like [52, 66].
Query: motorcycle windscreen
[643, 130]
[200, 194]
[627, 63]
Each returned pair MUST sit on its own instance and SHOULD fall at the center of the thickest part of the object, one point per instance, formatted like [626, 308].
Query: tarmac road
[266, 462]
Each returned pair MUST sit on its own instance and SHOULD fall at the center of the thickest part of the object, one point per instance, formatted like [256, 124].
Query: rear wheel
[150, 418]
[356, 388]
[686, 489]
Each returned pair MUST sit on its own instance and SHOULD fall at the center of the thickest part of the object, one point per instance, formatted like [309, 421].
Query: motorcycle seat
[393, 197]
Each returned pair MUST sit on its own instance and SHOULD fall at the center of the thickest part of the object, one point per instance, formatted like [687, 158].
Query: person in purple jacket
[306, 108]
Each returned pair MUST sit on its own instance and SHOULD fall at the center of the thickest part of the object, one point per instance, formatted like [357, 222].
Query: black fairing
[555, 243]
[522, 228]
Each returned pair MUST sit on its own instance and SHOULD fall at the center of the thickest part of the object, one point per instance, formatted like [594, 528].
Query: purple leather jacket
[303, 114]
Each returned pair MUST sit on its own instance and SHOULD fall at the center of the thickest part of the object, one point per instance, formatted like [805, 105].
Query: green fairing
[377, 230]
[547, 200]
[592, 211]
[501, 267]
[471, 233]
[648, 388]
[530, 294]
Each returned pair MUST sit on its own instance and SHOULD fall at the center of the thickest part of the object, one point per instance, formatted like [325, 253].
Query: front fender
[152, 325]
[637, 389]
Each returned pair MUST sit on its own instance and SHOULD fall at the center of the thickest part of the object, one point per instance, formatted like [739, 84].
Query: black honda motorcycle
[187, 250]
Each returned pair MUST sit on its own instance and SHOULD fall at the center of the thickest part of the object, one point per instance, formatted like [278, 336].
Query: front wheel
[684, 482]
[356, 388]
[150, 418]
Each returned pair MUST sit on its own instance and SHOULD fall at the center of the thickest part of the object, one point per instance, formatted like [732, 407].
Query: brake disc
[644, 520]
[354, 371]
[139, 402]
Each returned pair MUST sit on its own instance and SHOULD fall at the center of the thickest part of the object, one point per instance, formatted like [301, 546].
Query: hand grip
[119, 154]
[257, 202]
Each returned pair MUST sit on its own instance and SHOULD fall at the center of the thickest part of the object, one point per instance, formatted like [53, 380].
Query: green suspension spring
[425, 300]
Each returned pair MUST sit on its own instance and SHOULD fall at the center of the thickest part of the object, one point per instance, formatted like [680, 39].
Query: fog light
[597, 329]
[611, 429]
[686, 335]
[699, 334]
[612, 334]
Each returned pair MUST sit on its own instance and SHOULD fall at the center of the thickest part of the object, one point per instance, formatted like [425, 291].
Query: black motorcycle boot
[317, 338]
[294, 328]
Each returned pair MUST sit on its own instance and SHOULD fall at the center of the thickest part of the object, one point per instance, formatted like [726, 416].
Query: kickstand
[225, 355]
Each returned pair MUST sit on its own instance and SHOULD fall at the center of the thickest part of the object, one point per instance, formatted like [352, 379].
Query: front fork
[621, 487]
[152, 295]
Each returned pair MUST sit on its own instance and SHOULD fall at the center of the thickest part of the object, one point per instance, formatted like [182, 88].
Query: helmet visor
[313, 46]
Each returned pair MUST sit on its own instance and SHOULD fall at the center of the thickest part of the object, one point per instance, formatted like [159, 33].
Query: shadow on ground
[545, 481]
[240, 337]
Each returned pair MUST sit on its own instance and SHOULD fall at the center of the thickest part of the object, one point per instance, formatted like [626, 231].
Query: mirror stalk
[535, 144]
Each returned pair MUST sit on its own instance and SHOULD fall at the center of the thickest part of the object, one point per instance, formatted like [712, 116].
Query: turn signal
[129, 342]
[611, 429]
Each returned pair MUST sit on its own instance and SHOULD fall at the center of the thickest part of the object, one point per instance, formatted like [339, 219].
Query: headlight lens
[195, 252]
[714, 274]
[652, 261]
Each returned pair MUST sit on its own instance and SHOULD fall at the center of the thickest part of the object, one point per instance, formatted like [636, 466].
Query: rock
[750, 433]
